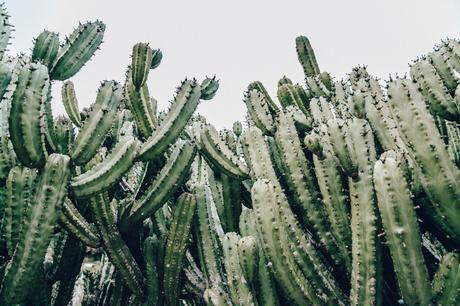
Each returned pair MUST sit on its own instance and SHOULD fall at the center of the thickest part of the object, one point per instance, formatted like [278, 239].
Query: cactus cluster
[342, 192]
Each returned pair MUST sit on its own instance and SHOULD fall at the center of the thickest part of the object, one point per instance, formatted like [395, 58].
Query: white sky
[240, 41]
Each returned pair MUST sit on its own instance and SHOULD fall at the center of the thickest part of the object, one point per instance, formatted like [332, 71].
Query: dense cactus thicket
[342, 192]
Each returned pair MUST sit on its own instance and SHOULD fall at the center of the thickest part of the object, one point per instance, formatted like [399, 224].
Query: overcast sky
[239, 41]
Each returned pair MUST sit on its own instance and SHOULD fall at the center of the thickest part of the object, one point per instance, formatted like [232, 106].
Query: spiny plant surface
[338, 192]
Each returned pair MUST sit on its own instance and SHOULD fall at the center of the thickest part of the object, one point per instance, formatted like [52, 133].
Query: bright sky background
[239, 41]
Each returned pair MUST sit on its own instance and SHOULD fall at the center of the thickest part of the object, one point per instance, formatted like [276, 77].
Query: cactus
[46, 48]
[37, 229]
[124, 204]
[79, 47]
[401, 230]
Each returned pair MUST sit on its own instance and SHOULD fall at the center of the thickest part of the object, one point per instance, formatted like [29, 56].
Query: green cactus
[401, 230]
[70, 102]
[46, 48]
[97, 125]
[37, 229]
[27, 107]
[446, 281]
[79, 47]
[438, 174]
[180, 112]
[176, 245]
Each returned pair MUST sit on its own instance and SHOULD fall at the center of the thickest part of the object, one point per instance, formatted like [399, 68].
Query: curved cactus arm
[259, 87]
[79, 47]
[73, 222]
[97, 125]
[439, 176]
[141, 60]
[299, 178]
[306, 56]
[106, 174]
[25, 123]
[401, 230]
[5, 30]
[446, 281]
[46, 48]
[180, 112]
[69, 99]
[140, 105]
[153, 256]
[259, 111]
[115, 247]
[37, 230]
[263, 280]
[171, 177]
[20, 189]
[176, 245]
[239, 288]
[217, 153]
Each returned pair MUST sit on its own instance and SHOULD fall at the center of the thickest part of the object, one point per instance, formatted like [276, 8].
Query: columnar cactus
[342, 192]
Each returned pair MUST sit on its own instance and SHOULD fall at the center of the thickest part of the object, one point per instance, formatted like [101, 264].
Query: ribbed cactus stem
[401, 231]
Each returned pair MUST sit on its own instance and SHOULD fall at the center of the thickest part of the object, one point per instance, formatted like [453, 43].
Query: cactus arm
[171, 176]
[209, 247]
[232, 202]
[176, 245]
[259, 111]
[104, 175]
[114, 245]
[306, 56]
[46, 48]
[248, 253]
[185, 103]
[97, 125]
[259, 87]
[439, 176]
[20, 189]
[264, 282]
[446, 281]
[153, 256]
[220, 155]
[25, 124]
[73, 222]
[77, 50]
[402, 232]
[69, 99]
[141, 60]
[335, 199]
[37, 230]
[141, 107]
[239, 289]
